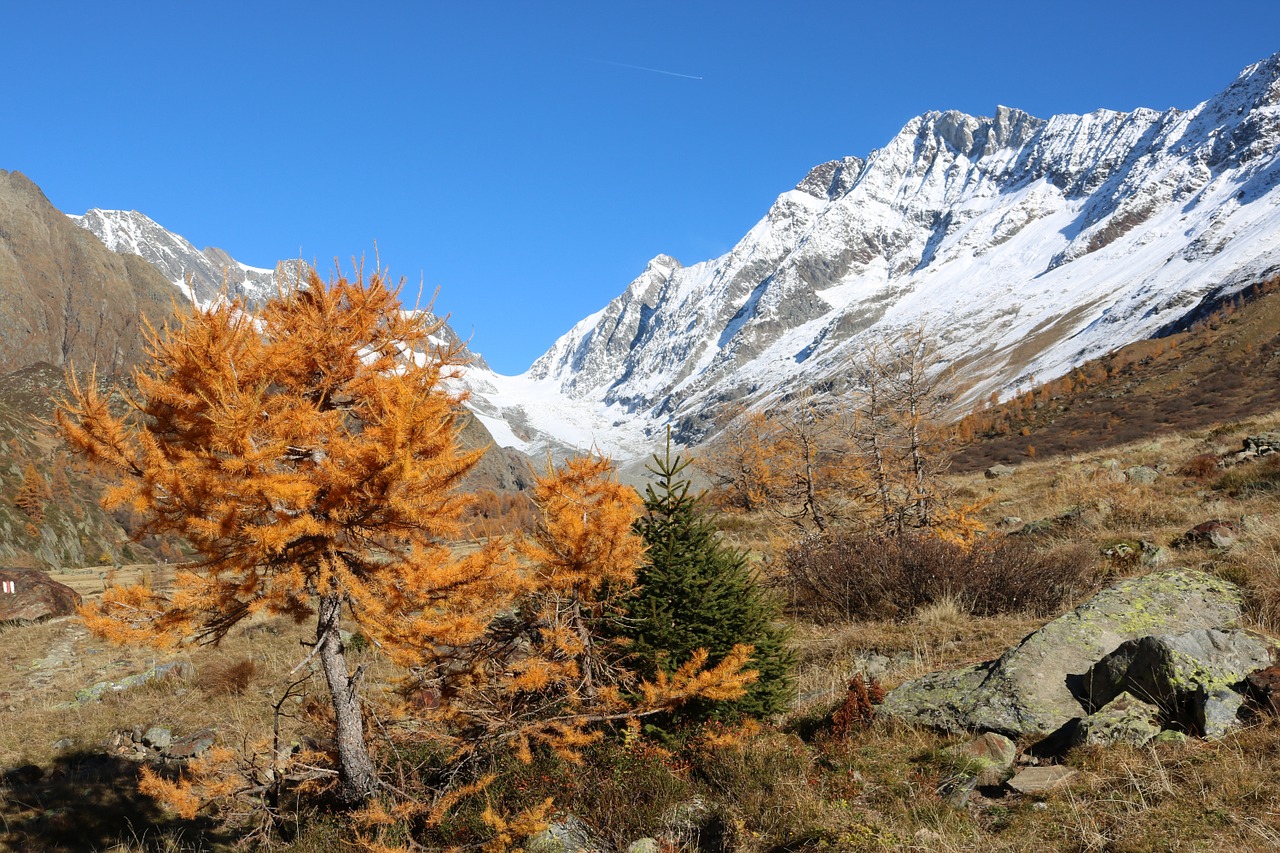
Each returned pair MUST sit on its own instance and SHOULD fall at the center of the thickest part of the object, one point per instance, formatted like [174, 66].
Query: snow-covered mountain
[129, 232]
[1026, 245]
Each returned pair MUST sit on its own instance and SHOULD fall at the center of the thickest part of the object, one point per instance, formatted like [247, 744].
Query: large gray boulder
[1034, 688]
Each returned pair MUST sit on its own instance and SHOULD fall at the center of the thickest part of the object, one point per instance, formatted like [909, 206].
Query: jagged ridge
[1027, 245]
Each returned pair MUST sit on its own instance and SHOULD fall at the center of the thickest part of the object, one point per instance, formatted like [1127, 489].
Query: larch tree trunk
[357, 777]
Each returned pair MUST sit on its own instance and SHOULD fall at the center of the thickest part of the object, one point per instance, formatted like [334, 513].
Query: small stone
[1124, 720]
[995, 472]
[64, 743]
[927, 838]
[1141, 475]
[1169, 736]
[567, 835]
[1215, 534]
[990, 755]
[192, 745]
[158, 737]
[1264, 687]
[1221, 713]
[1035, 780]
[27, 774]
[644, 845]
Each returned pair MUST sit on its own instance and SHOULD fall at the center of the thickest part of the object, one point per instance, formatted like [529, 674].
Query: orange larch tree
[309, 455]
[550, 668]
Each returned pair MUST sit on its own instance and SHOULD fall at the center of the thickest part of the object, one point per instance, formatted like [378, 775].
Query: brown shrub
[1202, 466]
[228, 679]
[857, 576]
[858, 710]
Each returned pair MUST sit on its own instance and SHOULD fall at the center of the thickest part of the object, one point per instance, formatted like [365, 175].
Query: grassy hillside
[1225, 367]
[801, 783]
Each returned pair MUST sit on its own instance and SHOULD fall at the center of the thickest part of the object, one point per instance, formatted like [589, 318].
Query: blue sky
[529, 158]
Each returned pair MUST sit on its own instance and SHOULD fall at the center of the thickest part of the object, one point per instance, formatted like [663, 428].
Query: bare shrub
[231, 678]
[872, 577]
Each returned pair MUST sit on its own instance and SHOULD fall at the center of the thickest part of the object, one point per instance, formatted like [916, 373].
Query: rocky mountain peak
[1029, 244]
[833, 179]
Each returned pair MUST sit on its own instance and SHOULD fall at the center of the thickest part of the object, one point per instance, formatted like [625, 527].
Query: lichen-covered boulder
[1141, 475]
[1032, 689]
[1193, 677]
[30, 595]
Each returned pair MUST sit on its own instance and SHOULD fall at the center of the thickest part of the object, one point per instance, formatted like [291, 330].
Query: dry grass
[791, 787]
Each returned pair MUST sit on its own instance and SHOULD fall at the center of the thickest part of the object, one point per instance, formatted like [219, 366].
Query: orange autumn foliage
[309, 455]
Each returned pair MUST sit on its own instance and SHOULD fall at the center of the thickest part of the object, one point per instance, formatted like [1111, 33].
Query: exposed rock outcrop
[1039, 686]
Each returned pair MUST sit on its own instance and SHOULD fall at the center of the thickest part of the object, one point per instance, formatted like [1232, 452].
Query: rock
[990, 756]
[158, 738]
[1141, 475]
[180, 670]
[1124, 720]
[1009, 522]
[26, 774]
[1219, 713]
[1264, 688]
[1028, 690]
[64, 744]
[1122, 552]
[1169, 736]
[1214, 534]
[1190, 676]
[1035, 780]
[1111, 470]
[30, 595]
[683, 822]
[995, 472]
[1042, 526]
[566, 835]
[1262, 445]
[644, 845]
[191, 746]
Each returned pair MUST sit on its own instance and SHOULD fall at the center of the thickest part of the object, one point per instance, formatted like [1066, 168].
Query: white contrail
[643, 68]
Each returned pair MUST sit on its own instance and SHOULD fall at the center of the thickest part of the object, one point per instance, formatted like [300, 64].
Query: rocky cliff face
[65, 298]
[1026, 245]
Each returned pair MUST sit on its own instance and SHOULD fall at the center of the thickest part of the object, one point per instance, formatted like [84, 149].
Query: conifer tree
[309, 455]
[697, 593]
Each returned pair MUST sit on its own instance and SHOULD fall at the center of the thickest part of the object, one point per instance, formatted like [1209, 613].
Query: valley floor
[69, 763]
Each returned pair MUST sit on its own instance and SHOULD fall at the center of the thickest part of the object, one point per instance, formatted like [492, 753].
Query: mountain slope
[1026, 245]
[63, 296]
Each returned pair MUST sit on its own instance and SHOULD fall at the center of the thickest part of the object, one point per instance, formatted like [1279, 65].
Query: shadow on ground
[89, 801]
